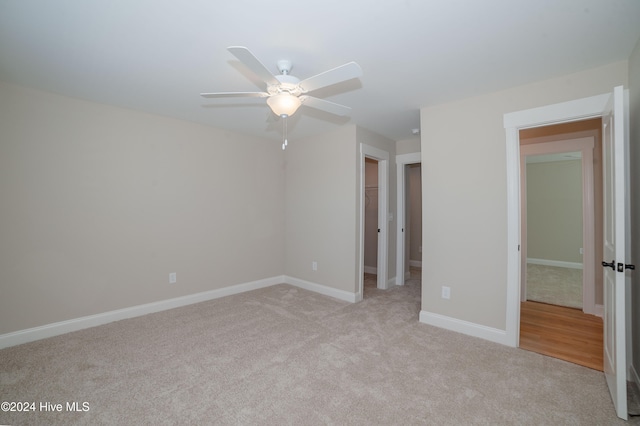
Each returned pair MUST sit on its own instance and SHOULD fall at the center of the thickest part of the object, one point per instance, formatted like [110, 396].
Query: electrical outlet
[446, 292]
[172, 278]
[581, 251]
[314, 265]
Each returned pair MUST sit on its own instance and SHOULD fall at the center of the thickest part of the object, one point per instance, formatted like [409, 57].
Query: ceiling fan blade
[327, 106]
[333, 76]
[253, 63]
[235, 95]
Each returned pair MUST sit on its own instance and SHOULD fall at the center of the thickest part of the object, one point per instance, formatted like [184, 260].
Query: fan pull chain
[284, 131]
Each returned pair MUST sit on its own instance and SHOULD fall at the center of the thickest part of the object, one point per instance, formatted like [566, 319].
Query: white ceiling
[158, 55]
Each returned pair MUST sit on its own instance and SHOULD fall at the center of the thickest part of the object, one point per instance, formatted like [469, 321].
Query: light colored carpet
[554, 285]
[282, 355]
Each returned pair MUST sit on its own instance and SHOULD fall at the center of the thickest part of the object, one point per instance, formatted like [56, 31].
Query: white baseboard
[415, 263]
[370, 270]
[322, 289]
[599, 311]
[465, 327]
[558, 263]
[57, 328]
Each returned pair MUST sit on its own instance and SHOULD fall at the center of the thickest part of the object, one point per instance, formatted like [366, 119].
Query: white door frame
[401, 161]
[585, 146]
[383, 208]
[576, 110]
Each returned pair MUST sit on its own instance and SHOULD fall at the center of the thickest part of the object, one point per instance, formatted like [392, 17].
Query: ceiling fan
[284, 92]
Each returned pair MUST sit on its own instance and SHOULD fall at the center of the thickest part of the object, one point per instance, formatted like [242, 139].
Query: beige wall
[321, 209]
[464, 192]
[408, 146]
[554, 211]
[99, 204]
[634, 88]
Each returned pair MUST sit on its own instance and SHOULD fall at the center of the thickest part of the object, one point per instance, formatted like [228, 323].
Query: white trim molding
[322, 289]
[557, 263]
[370, 270]
[465, 327]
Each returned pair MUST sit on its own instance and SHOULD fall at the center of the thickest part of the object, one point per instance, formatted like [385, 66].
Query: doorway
[406, 167]
[565, 113]
[371, 155]
[370, 223]
[553, 237]
[561, 214]
[613, 109]
[561, 226]
[413, 218]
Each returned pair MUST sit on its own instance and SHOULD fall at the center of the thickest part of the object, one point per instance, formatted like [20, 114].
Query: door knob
[622, 267]
[611, 265]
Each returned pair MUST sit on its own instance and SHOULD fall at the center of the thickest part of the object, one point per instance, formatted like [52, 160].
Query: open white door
[614, 140]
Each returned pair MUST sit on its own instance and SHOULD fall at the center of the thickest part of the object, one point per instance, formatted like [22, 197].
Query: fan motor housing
[284, 66]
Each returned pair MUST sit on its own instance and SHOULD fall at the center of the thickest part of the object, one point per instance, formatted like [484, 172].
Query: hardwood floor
[564, 333]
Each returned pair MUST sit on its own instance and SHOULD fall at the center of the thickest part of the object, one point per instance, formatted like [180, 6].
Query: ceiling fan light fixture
[284, 104]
